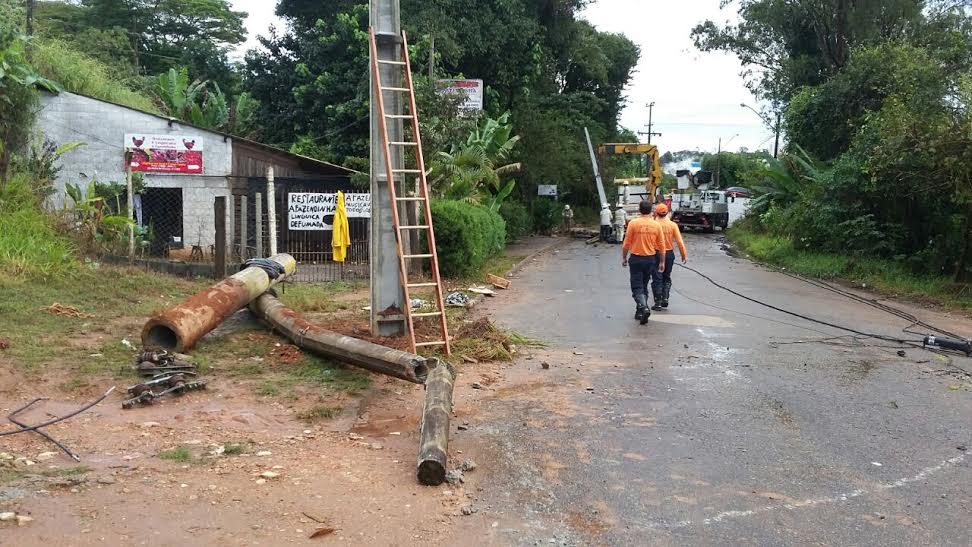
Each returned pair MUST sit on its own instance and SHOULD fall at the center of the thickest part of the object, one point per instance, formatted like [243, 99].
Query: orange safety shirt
[644, 237]
[672, 236]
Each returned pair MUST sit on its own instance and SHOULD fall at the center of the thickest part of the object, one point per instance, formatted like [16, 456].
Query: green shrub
[466, 235]
[519, 223]
[29, 244]
[546, 216]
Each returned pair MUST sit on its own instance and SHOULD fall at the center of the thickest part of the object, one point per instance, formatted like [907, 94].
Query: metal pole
[180, 327]
[432, 59]
[258, 207]
[271, 212]
[718, 164]
[386, 290]
[597, 172]
[651, 108]
[776, 145]
[30, 17]
[131, 207]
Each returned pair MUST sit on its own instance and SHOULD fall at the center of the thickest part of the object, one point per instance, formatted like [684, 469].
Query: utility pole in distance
[387, 299]
[650, 133]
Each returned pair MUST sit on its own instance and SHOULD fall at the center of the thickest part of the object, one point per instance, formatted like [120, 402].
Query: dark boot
[666, 291]
[642, 312]
[659, 300]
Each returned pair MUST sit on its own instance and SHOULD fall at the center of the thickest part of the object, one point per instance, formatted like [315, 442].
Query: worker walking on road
[661, 284]
[644, 241]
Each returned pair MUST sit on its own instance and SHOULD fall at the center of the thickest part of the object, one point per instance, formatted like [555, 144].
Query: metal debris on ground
[152, 363]
[65, 311]
[160, 386]
[458, 299]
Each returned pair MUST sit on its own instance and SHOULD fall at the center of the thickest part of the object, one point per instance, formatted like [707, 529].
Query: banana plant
[177, 94]
[474, 170]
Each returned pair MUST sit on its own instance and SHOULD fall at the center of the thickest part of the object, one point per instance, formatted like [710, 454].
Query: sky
[696, 94]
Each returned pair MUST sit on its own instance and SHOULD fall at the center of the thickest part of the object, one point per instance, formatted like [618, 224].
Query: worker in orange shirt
[644, 241]
[661, 283]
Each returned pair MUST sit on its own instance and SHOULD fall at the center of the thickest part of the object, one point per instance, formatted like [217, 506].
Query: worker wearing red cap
[661, 283]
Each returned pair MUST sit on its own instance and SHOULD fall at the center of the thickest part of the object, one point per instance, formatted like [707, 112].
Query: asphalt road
[720, 422]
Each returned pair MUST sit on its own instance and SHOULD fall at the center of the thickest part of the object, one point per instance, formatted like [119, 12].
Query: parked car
[738, 192]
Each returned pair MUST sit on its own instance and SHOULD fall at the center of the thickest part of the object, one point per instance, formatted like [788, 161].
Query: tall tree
[786, 44]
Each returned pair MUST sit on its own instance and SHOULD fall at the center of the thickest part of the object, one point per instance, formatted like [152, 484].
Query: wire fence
[171, 230]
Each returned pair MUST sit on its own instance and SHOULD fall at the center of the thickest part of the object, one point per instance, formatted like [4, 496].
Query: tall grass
[29, 244]
[76, 72]
[885, 276]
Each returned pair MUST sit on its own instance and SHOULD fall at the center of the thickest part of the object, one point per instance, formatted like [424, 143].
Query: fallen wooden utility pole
[392, 362]
[179, 328]
[434, 436]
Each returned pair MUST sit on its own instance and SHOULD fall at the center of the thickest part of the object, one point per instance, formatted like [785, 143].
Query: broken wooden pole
[179, 328]
[434, 434]
[391, 362]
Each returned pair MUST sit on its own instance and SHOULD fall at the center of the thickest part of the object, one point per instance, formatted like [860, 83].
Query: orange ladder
[393, 173]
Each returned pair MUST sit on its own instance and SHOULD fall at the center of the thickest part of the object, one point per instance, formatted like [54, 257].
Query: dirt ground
[235, 464]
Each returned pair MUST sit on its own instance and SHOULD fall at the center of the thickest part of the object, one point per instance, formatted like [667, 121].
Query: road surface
[720, 422]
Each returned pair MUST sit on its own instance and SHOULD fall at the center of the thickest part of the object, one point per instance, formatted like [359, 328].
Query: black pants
[605, 233]
[662, 280]
[643, 269]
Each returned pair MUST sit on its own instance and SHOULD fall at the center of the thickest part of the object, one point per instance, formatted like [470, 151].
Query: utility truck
[696, 206]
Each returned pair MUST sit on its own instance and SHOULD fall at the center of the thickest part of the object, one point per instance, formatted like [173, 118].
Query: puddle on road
[710, 321]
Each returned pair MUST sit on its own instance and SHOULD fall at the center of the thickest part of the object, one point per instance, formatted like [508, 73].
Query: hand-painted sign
[312, 211]
[165, 153]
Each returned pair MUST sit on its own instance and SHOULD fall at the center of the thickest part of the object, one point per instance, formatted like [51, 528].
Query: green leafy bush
[546, 216]
[466, 235]
[519, 223]
[29, 244]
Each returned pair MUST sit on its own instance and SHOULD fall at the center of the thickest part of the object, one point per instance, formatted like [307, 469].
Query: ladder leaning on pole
[421, 195]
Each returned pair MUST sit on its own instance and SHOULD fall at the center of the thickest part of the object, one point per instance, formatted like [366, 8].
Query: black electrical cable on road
[917, 344]
[875, 304]
[61, 419]
[804, 317]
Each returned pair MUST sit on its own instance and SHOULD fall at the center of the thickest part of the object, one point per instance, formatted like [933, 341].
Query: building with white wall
[178, 204]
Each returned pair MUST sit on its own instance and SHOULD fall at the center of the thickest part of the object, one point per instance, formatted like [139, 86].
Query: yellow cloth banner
[341, 236]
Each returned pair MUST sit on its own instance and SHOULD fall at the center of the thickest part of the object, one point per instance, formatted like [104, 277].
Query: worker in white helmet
[605, 223]
[620, 218]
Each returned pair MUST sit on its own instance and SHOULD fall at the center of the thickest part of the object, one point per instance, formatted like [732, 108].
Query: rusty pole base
[179, 328]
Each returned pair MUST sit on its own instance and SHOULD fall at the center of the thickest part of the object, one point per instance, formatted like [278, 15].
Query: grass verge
[884, 276]
[91, 340]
